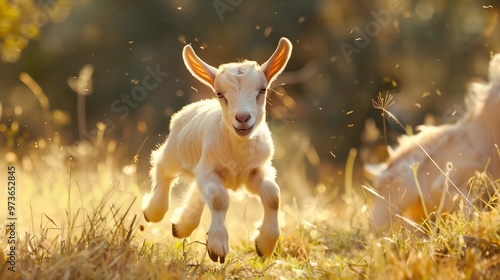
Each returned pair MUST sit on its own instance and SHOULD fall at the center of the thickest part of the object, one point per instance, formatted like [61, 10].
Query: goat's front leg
[262, 183]
[217, 199]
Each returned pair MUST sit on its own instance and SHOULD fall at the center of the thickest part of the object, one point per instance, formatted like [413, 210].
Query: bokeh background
[424, 53]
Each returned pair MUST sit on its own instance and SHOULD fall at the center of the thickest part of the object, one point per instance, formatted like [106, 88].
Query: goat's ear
[276, 64]
[200, 70]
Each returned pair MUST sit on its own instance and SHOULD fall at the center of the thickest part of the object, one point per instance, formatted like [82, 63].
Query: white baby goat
[459, 150]
[221, 144]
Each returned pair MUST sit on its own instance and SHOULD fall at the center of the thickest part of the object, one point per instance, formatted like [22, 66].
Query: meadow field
[77, 215]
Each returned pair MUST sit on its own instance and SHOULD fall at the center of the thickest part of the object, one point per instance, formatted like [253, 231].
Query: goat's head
[240, 87]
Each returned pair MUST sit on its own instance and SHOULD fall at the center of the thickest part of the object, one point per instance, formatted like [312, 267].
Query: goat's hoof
[152, 215]
[145, 218]
[214, 257]
[180, 230]
[217, 246]
[265, 244]
[174, 231]
[259, 253]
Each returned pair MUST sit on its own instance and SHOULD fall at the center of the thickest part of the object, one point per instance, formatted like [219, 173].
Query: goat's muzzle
[243, 130]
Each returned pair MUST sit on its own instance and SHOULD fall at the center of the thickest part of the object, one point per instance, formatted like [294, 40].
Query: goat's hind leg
[187, 218]
[163, 174]
[262, 183]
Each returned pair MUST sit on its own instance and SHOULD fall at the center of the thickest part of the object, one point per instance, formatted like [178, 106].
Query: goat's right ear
[200, 70]
[277, 62]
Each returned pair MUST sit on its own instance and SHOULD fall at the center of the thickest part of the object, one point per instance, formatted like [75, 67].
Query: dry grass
[67, 231]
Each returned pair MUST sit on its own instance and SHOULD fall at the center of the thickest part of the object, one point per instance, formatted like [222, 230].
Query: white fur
[221, 144]
[464, 147]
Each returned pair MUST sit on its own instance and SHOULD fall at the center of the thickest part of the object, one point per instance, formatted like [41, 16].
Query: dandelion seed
[418, 105]
[333, 155]
[425, 94]
[382, 103]
[350, 112]
[195, 89]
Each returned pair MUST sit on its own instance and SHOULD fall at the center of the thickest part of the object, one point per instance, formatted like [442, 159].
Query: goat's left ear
[199, 68]
[276, 64]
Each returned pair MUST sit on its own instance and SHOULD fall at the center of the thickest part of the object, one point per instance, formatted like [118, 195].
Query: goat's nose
[242, 117]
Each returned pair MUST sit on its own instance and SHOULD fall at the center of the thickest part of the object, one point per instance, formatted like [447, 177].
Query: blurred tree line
[345, 53]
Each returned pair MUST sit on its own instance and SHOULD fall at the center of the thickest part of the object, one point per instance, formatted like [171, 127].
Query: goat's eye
[262, 91]
[220, 95]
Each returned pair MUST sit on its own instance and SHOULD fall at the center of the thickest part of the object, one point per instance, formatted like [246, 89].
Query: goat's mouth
[243, 131]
